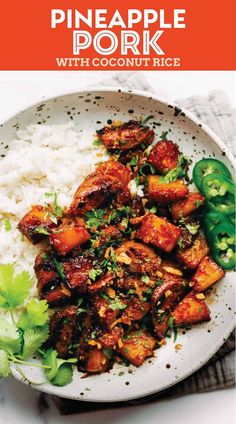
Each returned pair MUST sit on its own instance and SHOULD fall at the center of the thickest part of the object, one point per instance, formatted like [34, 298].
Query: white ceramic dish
[91, 110]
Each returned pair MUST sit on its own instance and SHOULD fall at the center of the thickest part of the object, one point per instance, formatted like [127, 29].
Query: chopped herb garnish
[7, 225]
[175, 173]
[94, 273]
[60, 268]
[42, 230]
[94, 218]
[56, 209]
[163, 135]
[153, 209]
[97, 142]
[147, 169]
[115, 304]
[145, 279]
[108, 353]
[146, 119]
[171, 322]
[133, 161]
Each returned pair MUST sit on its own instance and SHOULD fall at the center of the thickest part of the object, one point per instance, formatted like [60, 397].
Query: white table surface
[20, 404]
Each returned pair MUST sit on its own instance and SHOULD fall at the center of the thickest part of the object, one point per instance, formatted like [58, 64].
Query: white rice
[43, 158]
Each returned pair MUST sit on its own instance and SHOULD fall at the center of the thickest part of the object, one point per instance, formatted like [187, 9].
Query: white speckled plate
[91, 109]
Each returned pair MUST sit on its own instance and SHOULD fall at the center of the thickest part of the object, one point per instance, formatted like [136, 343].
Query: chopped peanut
[172, 270]
[111, 293]
[102, 311]
[120, 343]
[200, 296]
[168, 293]
[92, 342]
[178, 346]
[124, 258]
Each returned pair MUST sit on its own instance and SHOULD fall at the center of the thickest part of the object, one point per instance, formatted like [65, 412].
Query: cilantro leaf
[33, 339]
[145, 279]
[50, 358]
[134, 161]
[146, 119]
[60, 269]
[13, 289]
[60, 372]
[56, 210]
[5, 369]
[163, 135]
[36, 314]
[94, 218]
[42, 230]
[97, 142]
[9, 337]
[63, 376]
[171, 322]
[94, 273]
[7, 225]
[115, 304]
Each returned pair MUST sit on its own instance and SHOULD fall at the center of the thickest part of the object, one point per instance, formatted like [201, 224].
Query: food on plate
[208, 272]
[185, 207]
[164, 192]
[128, 260]
[126, 136]
[164, 156]
[191, 256]
[191, 310]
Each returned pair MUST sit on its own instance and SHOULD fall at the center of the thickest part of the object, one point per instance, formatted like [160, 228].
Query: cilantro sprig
[94, 218]
[21, 338]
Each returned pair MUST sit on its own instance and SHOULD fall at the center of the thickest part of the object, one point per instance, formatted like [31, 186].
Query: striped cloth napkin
[219, 372]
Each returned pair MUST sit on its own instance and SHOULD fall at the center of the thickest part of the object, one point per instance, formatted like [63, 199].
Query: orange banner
[104, 35]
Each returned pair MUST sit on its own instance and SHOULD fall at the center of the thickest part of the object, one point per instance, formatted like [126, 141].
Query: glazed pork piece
[64, 330]
[95, 190]
[97, 361]
[103, 310]
[36, 224]
[51, 286]
[164, 299]
[126, 136]
[114, 169]
[164, 156]
[76, 272]
[138, 258]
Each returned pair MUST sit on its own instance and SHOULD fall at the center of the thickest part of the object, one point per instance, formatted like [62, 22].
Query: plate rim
[217, 140]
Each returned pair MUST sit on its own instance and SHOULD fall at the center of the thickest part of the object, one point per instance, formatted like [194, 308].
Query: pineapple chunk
[191, 310]
[208, 272]
[159, 232]
[186, 206]
[68, 238]
[36, 224]
[97, 361]
[165, 193]
[137, 346]
[192, 256]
